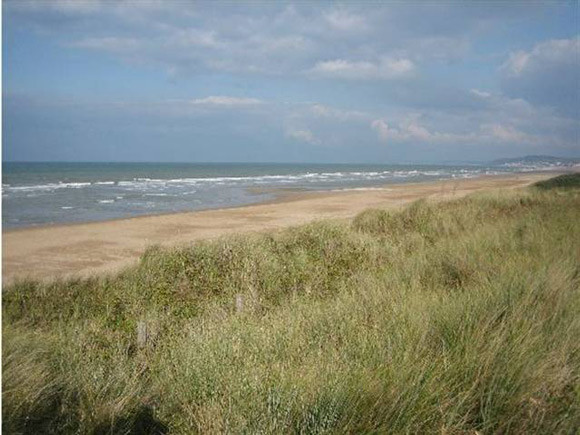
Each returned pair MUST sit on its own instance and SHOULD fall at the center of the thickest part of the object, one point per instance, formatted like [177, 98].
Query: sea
[56, 193]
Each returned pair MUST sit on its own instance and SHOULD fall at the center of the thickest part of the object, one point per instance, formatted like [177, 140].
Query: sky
[353, 82]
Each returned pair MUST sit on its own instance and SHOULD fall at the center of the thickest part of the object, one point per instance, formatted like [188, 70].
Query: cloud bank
[305, 81]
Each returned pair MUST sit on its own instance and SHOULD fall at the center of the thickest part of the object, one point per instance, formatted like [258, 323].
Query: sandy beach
[51, 252]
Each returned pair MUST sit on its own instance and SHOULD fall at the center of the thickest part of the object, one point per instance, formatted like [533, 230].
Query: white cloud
[358, 43]
[507, 133]
[548, 74]
[303, 136]
[516, 63]
[411, 131]
[480, 94]
[555, 51]
[110, 44]
[344, 20]
[274, 40]
[396, 67]
[322, 111]
[382, 129]
[386, 68]
[224, 101]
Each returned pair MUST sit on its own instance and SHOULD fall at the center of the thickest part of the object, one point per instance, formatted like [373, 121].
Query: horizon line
[449, 161]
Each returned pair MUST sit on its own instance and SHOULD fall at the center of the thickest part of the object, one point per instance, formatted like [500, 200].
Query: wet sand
[59, 251]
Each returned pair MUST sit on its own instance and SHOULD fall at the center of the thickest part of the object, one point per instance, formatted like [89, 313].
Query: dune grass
[564, 181]
[449, 318]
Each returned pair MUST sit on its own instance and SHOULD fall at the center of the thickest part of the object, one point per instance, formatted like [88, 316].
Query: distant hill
[537, 161]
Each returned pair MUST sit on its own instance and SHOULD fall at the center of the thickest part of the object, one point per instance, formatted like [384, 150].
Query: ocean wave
[49, 186]
[157, 187]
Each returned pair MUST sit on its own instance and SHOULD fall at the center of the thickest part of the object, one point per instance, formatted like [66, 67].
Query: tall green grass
[449, 318]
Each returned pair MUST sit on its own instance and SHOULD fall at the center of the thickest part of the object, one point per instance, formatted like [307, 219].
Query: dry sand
[83, 249]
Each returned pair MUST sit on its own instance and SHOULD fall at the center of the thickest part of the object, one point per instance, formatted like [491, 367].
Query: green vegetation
[451, 318]
[560, 182]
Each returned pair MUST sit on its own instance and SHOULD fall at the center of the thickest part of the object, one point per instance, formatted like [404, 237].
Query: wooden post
[239, 303]
[142, 334]
[147, 333]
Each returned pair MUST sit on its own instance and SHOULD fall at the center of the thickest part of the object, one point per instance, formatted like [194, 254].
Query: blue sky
[377, 82]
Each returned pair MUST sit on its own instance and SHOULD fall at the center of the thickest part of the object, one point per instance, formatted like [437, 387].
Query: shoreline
[280, 194]
[57, 251]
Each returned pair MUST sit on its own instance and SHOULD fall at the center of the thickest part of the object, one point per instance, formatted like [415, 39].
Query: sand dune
[83, 249]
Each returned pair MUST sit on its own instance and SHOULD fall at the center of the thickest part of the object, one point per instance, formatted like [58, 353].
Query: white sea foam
[160, 186]
[75, 185]
[50, 186]
[309, 177]
[106, 201]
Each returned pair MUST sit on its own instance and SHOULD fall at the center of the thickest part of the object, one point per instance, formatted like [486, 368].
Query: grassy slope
[564, 181]
[447, 318]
